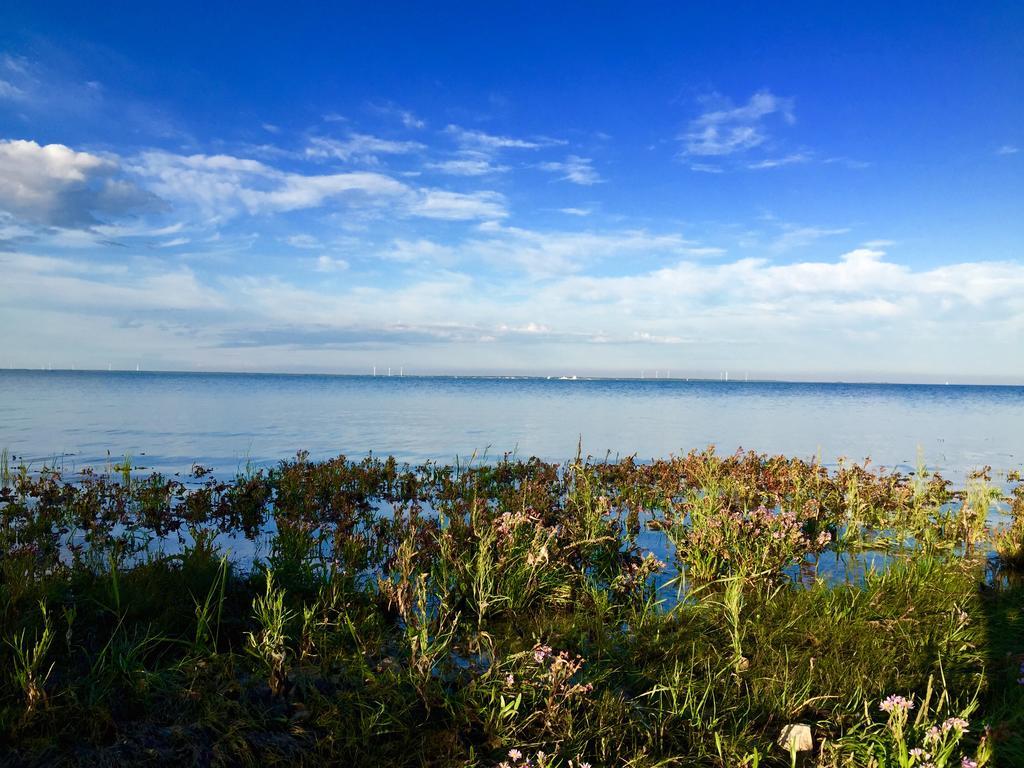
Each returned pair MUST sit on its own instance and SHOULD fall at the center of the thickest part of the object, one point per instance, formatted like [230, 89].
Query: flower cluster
[550, 679]
[517, 759]
[937, 743]
[896, 704]
[760, 540]
[541, 653]
[935, 734]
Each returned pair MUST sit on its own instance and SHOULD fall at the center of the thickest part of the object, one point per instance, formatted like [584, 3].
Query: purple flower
[968, 763]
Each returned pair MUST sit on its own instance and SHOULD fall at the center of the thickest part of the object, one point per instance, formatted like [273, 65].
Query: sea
[227, 421]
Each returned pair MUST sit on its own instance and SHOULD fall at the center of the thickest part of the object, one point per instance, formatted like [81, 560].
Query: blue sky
[790, 190]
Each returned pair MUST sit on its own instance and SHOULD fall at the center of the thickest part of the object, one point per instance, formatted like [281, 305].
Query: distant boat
[567, 378]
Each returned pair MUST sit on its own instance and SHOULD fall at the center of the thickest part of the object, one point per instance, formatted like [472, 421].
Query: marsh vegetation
[697, 610]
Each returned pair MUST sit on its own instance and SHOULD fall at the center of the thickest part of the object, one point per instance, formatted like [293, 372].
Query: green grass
[507, 613]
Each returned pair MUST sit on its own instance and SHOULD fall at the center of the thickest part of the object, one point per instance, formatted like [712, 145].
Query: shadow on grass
[1003, 698]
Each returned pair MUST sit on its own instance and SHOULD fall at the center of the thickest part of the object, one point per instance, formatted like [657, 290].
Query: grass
[686, 611]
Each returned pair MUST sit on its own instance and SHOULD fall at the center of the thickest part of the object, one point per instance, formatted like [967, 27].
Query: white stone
[796, 736]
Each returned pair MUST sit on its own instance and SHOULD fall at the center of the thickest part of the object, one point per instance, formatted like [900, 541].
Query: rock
[796, 736]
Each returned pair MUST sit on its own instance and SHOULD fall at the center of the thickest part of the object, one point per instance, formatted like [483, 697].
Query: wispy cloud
[468, 163]
[728, 129]
[303, 241]
[578, 170]
[359, 147]
[10, 91]
[405, 116]
[325, 263]
[458, 206]
[799, 237]
[706, 168]
[223, 185]
[1008, 149]
[421, 251]
[471, 138]
[777, 162]
[848, 162]
[546, 254]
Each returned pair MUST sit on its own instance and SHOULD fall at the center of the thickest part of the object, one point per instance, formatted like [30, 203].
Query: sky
[782, 190]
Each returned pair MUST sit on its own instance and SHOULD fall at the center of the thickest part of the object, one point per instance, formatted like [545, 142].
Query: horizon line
[522, 376]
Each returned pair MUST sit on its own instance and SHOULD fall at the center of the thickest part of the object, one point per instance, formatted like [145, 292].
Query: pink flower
[896, 704]
[954, 722]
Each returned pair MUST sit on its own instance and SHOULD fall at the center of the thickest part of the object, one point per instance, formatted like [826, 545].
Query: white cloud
[55, 185]
[468, 163]
[776, 162]
[729, 129]
[799, 237]
[71, 284]
[706, 168]
[576, 211]
[359, 147]
[405, 116]
[417, 251]
[221, 184]
[325, 263]
[224, 185]
[467, 137]
[1008, 149]
[840, 313]
[303, 241]
[409, 120]
[296, 191]
[458, 206]
[545, 255]
[861, 283]
[578, 170]
[10, 91]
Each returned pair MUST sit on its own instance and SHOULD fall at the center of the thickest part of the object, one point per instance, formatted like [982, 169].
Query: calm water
[167, 421]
